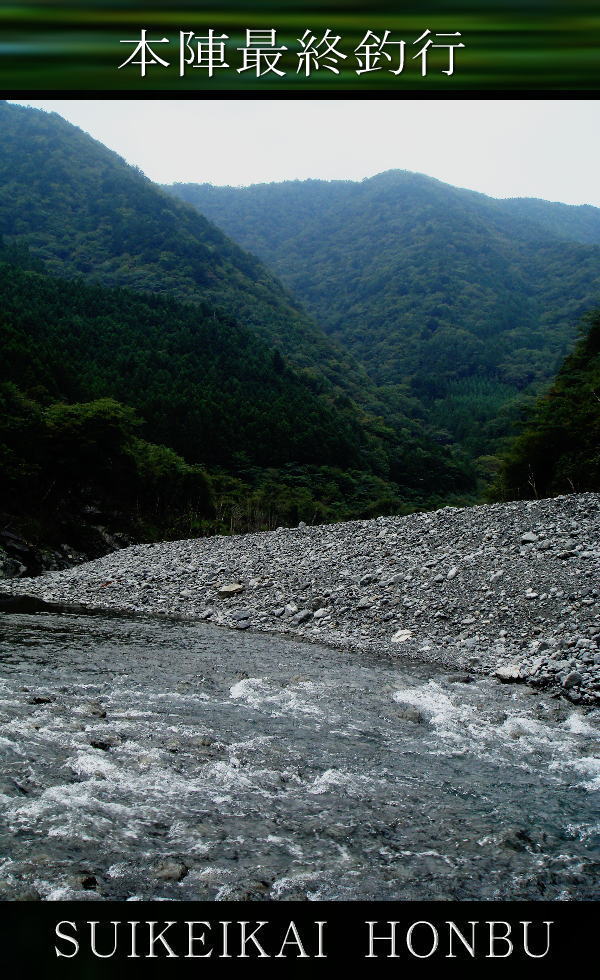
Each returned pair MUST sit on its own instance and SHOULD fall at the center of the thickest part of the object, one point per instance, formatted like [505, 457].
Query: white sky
[506, 148]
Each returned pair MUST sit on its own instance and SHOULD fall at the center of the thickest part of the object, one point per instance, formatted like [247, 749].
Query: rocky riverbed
[145, 758]
[508, 589]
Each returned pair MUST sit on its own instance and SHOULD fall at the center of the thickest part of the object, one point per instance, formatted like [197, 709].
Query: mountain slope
[84, 211]
[466, 300]
[162, 418]
[204, 384]
[558, 450]
[573, 223]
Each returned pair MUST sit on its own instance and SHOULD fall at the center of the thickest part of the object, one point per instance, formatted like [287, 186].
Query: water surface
[136, 752]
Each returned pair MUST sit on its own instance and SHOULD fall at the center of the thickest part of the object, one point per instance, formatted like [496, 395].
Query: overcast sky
[505, 148]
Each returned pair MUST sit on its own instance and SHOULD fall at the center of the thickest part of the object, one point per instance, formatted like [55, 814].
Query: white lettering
[494, 939]
[391, 939]
[196, 939]
[102, 956]
[155, 938]
[296, 941]
[245, 939]
[435, 937]
[453, 930]
[70, 939]
[536, 956]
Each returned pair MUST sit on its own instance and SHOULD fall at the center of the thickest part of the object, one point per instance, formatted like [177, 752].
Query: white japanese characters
[263, 54]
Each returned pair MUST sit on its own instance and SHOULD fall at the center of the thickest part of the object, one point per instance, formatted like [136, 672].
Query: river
[145, 758]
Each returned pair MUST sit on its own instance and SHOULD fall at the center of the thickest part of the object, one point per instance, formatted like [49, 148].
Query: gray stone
[408, 712]
[169, 870]
[574, 679]
[529, 538]
[92, 709]
[495, 612]
[303, 616]
[84, 881]
[234, 588]
[508, 672]
[105, 743]
[516, 839]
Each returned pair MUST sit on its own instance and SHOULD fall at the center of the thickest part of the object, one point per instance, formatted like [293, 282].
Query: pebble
[171, 870]
[508, 672]
[408, 712]
[230, 590]
[528, 614]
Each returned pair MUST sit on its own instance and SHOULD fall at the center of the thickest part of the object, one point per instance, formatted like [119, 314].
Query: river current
[145, 759]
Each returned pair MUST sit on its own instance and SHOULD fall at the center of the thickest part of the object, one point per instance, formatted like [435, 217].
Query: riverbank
[509, 589]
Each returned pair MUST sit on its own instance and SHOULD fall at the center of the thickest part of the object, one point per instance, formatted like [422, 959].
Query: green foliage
[83, 211]
[435, 289]
[90, 439]
[21, 434]
[92, 378]
[221, 362]
[203, 384]
[574, 223]
[558, 450]
[58, 460]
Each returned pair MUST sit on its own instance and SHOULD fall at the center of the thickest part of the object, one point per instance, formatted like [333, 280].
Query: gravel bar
[509, 589]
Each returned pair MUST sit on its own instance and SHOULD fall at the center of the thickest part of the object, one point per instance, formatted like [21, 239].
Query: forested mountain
[82, 210]
[204, 384]
[574, 223]
[558, 450]
[157, 378]
[467, 301]
[161, 418]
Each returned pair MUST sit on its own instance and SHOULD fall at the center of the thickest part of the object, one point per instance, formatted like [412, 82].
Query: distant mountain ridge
[466, 300]
[571, 222]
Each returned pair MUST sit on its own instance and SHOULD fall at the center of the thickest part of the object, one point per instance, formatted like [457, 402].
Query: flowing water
[150, 759]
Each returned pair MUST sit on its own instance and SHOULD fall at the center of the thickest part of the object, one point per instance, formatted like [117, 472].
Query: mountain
[574, 223]
[130, 322]
[558, 449]
[82, 210]
[468, 302]
[203, 382]
[171, 412]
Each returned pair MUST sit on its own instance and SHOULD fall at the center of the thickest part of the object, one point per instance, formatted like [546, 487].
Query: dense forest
[82, 210]
[467, 302]
[157, 380]
[173, 418]
[558, 449]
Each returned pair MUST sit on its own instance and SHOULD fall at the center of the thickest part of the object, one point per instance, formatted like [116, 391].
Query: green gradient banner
[71, 45]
